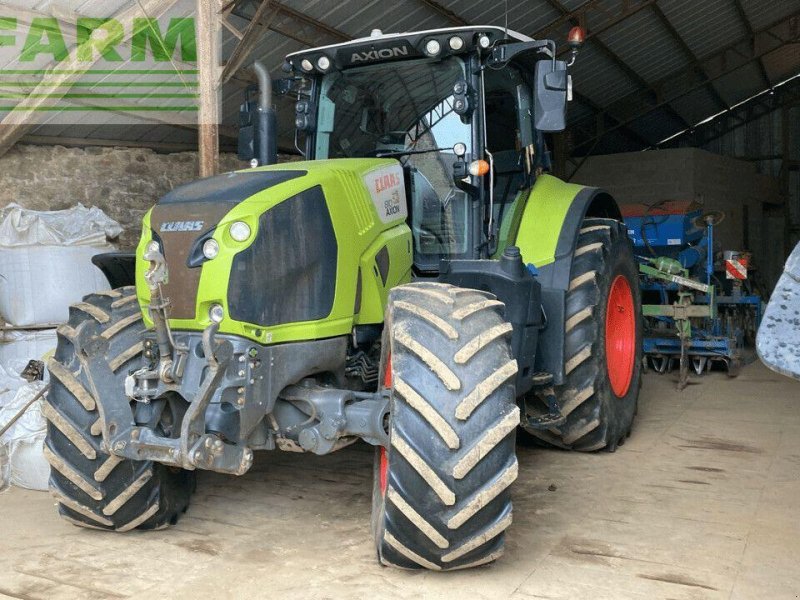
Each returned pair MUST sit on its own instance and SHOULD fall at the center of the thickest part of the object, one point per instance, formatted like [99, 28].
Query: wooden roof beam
[256, 28]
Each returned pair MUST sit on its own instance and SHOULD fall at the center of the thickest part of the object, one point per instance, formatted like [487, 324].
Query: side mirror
[551, 94]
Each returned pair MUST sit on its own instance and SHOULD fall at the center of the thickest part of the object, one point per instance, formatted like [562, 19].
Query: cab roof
[385, 47]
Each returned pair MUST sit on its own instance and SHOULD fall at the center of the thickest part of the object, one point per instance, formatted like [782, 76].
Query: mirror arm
[505, 52]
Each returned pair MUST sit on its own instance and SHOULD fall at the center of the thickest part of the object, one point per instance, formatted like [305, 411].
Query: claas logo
[387, 181]
[44, 37]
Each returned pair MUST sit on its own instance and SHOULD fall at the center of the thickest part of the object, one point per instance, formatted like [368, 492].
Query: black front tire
[93, 488]
[441, 492]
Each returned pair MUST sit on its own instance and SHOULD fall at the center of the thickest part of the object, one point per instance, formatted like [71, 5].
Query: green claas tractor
[418, 282]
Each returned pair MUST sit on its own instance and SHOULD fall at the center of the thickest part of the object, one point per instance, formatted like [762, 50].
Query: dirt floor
[700, 503]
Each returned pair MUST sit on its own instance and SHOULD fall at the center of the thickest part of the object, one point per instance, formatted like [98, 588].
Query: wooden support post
[209, 45]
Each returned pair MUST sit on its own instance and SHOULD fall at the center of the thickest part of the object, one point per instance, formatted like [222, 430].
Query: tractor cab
[462, 109]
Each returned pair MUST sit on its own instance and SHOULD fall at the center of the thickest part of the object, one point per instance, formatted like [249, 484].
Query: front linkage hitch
[201, 371]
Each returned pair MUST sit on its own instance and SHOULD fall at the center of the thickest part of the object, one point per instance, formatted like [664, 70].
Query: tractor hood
[300, 228]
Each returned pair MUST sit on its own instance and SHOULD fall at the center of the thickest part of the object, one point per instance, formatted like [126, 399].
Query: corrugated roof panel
[614, 141]
[696, 106]
[657, 125]
[782, 63]
[706, 26]
[597, 78]
[573, 4]
[740, 84]
[531, 17]
[763, 13]
[523, 15]
[643, 43]
[358, 19]
[577, 111]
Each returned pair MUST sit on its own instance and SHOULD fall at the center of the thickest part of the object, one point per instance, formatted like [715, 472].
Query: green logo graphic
[87, 67]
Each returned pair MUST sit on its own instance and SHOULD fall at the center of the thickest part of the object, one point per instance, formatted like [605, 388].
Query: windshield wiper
[392, 153]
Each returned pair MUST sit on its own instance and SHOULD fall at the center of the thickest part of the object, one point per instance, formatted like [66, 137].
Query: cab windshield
[396, 107]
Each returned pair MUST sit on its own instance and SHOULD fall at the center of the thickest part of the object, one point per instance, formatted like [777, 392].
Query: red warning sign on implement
[736, 268]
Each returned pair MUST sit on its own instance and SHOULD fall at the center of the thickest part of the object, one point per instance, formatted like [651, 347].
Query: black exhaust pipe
[267, 136]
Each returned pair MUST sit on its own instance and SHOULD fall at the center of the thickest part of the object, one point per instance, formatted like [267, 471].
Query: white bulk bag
[19, 347]
[45, 261]
[24, 441]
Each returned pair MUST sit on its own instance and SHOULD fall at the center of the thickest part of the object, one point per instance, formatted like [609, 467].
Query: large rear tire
[441, 490]
[602, 344]
[93, 488]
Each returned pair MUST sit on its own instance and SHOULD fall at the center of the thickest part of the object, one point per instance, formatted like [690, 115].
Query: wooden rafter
[209, 47]
[258, 24]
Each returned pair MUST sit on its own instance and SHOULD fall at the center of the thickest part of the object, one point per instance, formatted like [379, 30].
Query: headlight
[153, 246]
[323, 63]
[210, 249]
[216, 313]
[240, 231]
[306, 65]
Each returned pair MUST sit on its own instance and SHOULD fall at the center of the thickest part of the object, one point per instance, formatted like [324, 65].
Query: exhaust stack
[267, 138]
[258, 123]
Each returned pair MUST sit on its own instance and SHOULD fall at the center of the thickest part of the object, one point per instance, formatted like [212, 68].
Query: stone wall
[123, 182]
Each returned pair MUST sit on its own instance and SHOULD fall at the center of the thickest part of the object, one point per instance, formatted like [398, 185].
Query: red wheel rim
[620, 336]
[383, 468]
[384, 471]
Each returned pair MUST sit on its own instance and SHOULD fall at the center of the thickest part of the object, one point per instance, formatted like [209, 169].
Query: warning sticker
[736, 268]
[385, 186]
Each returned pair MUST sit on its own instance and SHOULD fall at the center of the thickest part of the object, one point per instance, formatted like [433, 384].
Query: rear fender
[547, 234]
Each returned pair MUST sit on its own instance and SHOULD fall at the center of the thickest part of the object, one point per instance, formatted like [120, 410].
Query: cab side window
[506, 135]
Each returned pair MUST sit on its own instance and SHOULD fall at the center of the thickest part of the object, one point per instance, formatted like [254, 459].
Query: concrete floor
[700, 503]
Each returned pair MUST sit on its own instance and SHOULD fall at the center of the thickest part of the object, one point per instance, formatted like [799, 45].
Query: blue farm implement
[698, 304]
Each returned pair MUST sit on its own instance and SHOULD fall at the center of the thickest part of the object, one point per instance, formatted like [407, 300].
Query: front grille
[288, 274]
[177, 244]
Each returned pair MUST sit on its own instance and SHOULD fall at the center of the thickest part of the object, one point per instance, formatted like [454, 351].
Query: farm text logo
[63, 67]
[106, 39]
